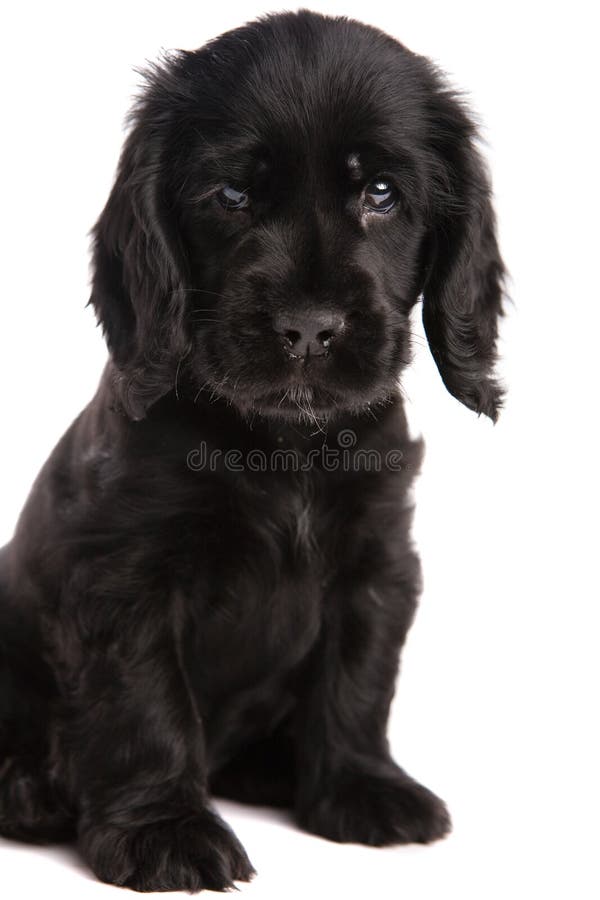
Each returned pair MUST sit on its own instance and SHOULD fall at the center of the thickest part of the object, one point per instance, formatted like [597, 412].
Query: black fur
[171, 630]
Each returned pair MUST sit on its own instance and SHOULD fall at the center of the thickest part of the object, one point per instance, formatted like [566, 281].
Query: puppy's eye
[381, 195]
[231, 199]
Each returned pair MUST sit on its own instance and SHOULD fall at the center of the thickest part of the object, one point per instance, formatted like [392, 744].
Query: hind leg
[31, 807]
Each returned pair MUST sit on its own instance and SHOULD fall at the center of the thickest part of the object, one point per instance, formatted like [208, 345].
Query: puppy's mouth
[302, 392]
[302, 373]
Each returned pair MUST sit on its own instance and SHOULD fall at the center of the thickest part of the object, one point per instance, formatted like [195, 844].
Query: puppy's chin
[300, 402]
[303, 403]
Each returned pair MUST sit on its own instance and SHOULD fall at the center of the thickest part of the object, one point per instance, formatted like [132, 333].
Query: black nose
[308, 333]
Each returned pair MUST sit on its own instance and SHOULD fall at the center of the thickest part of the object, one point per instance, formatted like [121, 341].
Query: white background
[497, 705]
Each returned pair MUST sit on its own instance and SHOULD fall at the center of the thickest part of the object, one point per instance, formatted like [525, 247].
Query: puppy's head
[284, 197]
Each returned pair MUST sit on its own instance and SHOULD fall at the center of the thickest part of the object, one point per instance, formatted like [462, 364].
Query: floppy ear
[462, 294]
[139, 272]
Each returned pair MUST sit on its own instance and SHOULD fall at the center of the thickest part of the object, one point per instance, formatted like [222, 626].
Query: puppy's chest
[258, 579]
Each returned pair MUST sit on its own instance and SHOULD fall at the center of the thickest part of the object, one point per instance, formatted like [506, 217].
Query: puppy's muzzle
[308, 333]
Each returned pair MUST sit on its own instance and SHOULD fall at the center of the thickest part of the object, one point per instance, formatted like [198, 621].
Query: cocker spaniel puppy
[212, 578]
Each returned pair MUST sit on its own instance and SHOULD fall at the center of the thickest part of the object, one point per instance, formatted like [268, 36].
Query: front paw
[188, 854]
[376, 809]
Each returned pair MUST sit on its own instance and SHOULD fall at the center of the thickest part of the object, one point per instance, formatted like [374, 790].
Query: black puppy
[210, 583]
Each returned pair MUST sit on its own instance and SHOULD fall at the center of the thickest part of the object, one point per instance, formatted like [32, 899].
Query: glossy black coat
[171, 630]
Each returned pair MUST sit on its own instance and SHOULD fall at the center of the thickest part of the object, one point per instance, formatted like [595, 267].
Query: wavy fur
[170, 631]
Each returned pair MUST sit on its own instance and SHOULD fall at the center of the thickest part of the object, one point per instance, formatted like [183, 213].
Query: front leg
[134, 747]
[349, 787]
